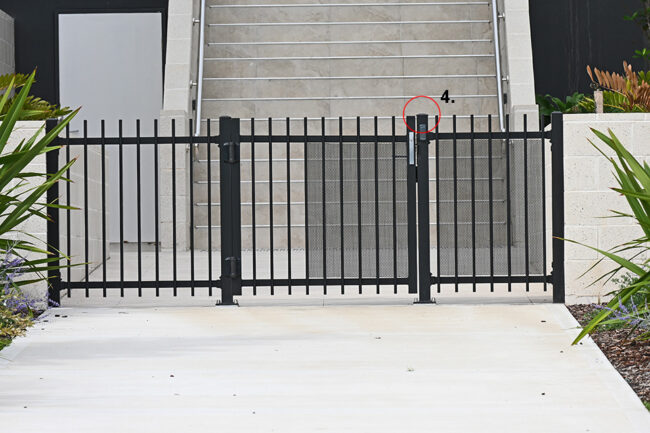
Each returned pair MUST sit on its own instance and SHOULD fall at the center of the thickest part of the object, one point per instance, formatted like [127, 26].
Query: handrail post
[497, 59]
[199, 84]
[557, 172]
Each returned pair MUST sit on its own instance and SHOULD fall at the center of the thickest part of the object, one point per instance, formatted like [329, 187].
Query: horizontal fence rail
[285, 206]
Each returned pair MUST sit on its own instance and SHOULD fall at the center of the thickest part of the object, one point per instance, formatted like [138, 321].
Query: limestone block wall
[181, 60]
[517, 63]
[73, 194]
[35, 227]
[588, 198]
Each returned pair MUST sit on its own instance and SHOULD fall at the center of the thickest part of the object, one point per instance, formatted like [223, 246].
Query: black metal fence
[316, 204]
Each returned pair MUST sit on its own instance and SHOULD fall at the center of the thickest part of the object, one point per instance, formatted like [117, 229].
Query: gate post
[230, 209]
[411, 206]
[424, 243]
[53, 234]
[557, 200]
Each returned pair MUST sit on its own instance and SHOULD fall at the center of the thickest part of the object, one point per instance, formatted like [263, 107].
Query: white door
[111, 65]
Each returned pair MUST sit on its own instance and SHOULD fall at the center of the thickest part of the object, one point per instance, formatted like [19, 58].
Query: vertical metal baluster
[156, 204]
[139, 204]
[394, 207]
[306, 210]
[174, 265]
[438, 202]
[191, 134]
[209, 167]
[508, 204]
[341, 205]
[526, 241]
[289, 203]
[86, 247]
[253, 206]
[455, 208]
[377, 203]
[324, 209]
[541, 129]
[271, 205]
[67, 197]
[359, 203]
[121, 164]
[104, 243]
[472, 165]
[491, 202]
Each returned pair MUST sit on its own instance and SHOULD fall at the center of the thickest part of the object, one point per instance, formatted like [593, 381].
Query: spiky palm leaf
[633, 178]
[18, 202]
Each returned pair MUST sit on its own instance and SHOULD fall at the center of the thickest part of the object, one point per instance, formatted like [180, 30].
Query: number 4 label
[445, 97]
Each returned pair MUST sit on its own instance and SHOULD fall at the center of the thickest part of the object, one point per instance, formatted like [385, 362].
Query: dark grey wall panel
[568, 35]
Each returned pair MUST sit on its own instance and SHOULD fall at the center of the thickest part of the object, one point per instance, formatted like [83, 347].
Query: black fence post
[53, 275]
[424, 243]
[411, 198]
[230, 209]
[557, 160]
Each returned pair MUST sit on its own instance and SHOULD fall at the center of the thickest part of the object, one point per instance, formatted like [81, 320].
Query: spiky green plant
[633, 178]
[22, 191]
[33, 108]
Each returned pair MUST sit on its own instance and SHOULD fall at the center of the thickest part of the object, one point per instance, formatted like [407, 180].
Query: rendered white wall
[588, 198]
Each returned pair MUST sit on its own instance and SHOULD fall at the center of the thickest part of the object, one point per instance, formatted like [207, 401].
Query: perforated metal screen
[357, 210]
[490, 219]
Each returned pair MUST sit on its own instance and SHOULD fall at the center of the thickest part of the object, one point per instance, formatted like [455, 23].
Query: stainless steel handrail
[497, 59]
[199, 92]
[347, 23]
[349, 77]
[338, 98]
[353, 42]
[313, 5]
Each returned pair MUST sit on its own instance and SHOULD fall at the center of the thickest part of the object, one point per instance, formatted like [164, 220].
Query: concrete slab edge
[618, 388]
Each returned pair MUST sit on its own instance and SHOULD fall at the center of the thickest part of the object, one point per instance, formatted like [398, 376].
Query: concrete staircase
[297, 58]
[268, 58]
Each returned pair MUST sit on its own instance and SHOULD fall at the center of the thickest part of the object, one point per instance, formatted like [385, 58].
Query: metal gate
[313, 205]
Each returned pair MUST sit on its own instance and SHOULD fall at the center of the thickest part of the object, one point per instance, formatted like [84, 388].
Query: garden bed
[630, 357]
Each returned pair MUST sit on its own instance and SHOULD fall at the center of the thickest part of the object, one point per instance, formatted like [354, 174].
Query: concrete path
[404, 368]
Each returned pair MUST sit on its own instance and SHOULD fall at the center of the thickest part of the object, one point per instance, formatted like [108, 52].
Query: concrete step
[311, 11]
[347, 48]
[458, 87]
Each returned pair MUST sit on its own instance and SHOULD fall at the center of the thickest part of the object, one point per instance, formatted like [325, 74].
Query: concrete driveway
[403, 368]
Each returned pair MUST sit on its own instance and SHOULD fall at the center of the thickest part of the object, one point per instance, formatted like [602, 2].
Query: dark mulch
[631, 358]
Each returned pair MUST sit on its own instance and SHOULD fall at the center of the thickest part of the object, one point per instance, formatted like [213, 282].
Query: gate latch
[233, 266]
[230, 152]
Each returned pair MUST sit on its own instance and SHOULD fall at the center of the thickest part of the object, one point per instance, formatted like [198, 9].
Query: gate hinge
[233, 266]
[231, 154]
